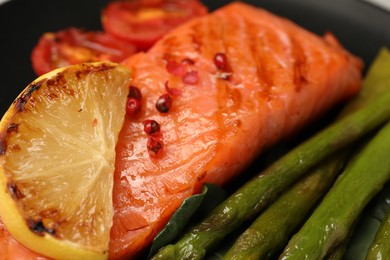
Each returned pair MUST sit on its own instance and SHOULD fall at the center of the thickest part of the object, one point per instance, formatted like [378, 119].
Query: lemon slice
[57, 153]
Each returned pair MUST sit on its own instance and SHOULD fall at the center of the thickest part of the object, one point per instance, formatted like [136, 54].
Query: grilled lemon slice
[57, 153]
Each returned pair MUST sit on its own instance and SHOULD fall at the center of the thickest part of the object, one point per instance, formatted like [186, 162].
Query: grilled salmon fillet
[238, 80]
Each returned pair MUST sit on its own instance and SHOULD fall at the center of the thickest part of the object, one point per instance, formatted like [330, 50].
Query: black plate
[361, 27]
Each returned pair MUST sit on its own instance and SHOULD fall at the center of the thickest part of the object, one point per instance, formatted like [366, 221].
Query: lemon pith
[57, 154]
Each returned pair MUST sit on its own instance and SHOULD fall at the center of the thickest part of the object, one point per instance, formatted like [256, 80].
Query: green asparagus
[338, 253]
[380, 248]
[330, 223]
[254, 196]
[272, 229]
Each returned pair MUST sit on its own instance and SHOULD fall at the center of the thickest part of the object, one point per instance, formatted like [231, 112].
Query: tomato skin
[72, 46]
[40, 56]
[143, 22]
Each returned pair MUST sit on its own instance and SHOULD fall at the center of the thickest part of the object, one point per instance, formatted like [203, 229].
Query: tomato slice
[143, 22]
[73, 46]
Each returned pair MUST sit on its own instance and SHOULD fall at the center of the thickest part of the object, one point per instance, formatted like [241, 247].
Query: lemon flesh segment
[57, 155]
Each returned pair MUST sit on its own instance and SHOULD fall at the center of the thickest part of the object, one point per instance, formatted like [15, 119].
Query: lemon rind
[46, 244]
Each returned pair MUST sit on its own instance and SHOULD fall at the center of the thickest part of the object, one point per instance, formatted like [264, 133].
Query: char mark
[22, 100]
[14, 191]
[3, 146]
[12, 128]
[39, 228]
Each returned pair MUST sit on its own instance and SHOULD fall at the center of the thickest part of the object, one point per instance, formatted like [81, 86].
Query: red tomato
[143, 22]
[73, 46]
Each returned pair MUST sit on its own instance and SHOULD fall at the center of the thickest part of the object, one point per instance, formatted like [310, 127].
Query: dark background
[362, 28]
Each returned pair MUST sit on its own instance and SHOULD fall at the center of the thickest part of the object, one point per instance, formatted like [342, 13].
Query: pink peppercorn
[175, 68]
[151, 127]
[164, 103]
[154, 146]
[134, 92]
[191, 78]
[133, 106]
[220, 61]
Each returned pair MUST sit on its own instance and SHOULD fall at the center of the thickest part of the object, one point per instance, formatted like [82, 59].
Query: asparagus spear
[339, 252]
[261, 190]
[330, 223]
[272, 229]
[380, 248]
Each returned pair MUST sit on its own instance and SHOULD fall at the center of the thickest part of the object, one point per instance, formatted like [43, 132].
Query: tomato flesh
[72, 46]
[143, 22]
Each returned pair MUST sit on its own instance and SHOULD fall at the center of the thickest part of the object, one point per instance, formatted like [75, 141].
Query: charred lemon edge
[46, 245]
[12, 218]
